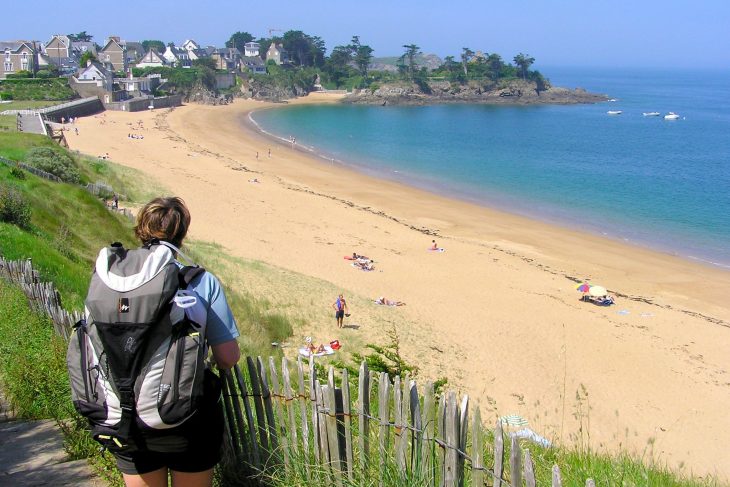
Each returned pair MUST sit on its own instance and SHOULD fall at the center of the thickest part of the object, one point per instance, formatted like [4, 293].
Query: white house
[175, 56]
[151, 59]
[190, 45]
[251, 49]
[96, 74]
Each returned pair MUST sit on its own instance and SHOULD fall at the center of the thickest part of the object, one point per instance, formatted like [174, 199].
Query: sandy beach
[497, 312]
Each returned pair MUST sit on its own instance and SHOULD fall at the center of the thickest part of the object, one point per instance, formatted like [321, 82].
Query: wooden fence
[42, 296]
[33, 170]
[282, 417]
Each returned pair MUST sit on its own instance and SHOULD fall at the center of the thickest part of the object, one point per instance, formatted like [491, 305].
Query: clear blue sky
[657, 33]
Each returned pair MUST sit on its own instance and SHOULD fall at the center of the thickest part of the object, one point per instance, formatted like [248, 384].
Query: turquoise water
[653, 182]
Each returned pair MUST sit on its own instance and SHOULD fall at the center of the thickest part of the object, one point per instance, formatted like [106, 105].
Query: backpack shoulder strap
[187, 274]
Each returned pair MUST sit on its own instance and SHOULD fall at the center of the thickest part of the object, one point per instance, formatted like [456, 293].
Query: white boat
[612, 99]
[671, 116]
[614, 112]
[651, 114]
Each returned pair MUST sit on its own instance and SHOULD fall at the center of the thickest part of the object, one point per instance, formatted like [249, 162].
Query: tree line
[349, 65]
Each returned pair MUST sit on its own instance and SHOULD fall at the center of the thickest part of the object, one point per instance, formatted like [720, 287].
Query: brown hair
[166, 218]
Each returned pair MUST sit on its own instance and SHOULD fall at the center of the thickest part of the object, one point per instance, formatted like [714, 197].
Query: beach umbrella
[597, 291]
[584, 288]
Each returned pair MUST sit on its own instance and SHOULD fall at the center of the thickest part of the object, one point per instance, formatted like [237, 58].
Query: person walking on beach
[115, 200]
[269, 152]
[340, 306]
[257, 155]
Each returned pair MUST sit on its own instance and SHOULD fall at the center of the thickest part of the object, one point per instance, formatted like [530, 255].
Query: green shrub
[13, 207]
[54, 162]
[22, 74]
[17, 172]
[45, 74]
[6, 96]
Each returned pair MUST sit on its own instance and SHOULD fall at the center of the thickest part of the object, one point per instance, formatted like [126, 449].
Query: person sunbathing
[387, 302]
[365, 266]
[312, 349]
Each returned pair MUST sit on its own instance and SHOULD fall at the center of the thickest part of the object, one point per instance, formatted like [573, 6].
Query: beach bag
[136, 362]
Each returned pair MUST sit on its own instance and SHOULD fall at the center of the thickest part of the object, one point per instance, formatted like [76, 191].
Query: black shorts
[191, 461]
[195, 446]
[340, 314]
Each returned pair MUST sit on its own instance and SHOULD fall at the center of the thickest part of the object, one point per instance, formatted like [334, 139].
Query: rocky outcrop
[514, 92]
[200, 94]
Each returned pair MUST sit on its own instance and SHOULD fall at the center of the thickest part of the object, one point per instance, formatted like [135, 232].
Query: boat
[651, 114]
[614, 112]
[671, 116]
[612, 99]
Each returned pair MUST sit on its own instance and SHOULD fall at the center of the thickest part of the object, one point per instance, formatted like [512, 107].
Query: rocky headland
[513, 92]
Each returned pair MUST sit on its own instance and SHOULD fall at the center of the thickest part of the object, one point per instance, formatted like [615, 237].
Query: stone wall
[143, 103]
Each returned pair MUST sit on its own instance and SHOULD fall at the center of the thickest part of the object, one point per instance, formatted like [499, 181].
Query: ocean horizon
[639, 179]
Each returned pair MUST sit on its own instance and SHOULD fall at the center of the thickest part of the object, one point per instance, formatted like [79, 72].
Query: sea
[639, 179]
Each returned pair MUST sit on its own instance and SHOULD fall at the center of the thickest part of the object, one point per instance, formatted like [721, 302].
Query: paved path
[31, 454]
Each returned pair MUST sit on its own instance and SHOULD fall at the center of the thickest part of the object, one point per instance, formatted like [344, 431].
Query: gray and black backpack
[136, 363]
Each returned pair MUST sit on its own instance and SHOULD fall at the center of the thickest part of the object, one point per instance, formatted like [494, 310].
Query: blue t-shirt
[221, 325]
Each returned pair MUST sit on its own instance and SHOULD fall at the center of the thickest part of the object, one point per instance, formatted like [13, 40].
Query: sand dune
[497, 312]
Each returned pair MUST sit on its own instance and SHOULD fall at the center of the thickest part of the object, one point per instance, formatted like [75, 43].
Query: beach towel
[304, 352]
[440, 249]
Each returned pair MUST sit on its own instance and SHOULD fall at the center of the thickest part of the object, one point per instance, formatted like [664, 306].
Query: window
[7, 55]
[8, 67]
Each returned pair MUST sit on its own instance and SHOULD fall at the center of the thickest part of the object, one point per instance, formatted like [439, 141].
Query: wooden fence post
[451, 429]
[254, 445]
[417, 423]
[268, 410]
[322, 426]
[529, 470]
[259, 407]
[346, 417]
[461, 437]
[289, 405]
[428, 450]
[477, 464]
[515, 462]
[363, 399]
[498, 455]
[441, 437]
[229, 414]
[328, 395]
[314, 396]
[557, 481]
[384, 415]
[303, 412]
[281, 431]
[400, 454]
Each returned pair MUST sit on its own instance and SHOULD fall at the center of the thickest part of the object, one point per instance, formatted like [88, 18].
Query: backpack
[136, 362]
